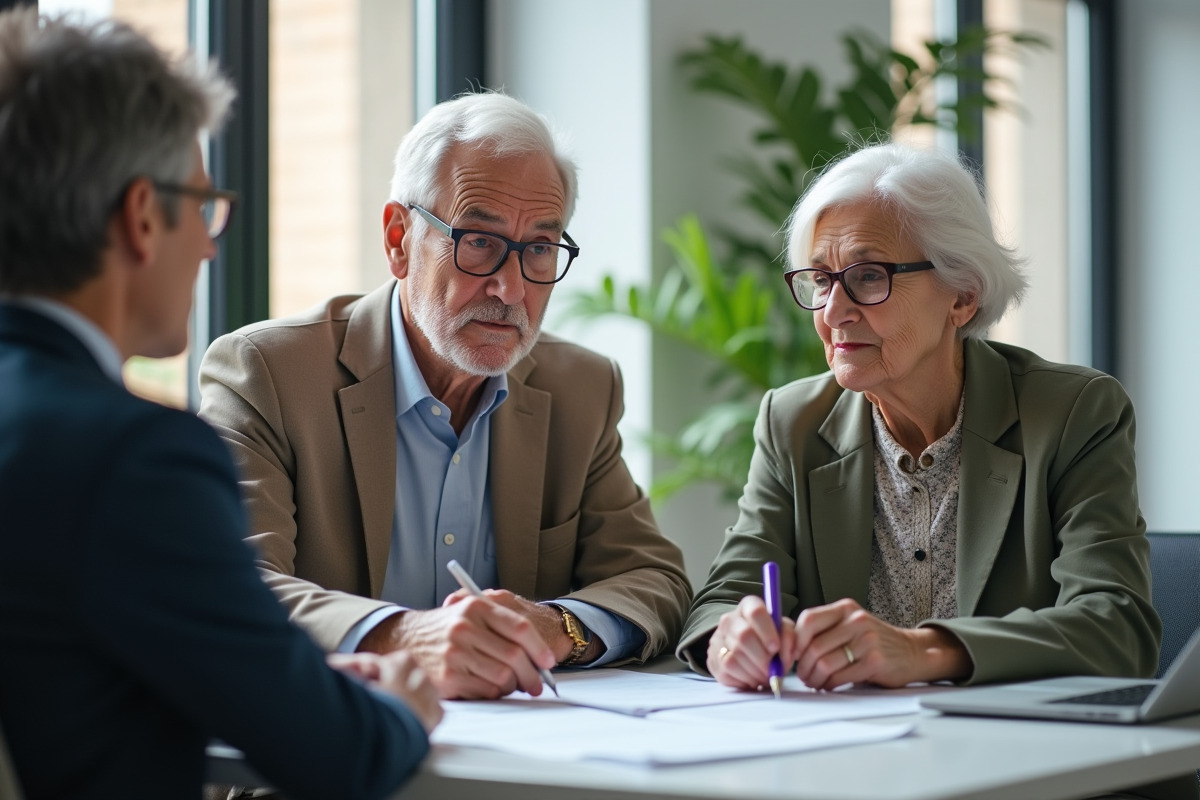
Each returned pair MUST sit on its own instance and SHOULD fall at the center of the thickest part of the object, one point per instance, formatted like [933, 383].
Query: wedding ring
[849, 654]
[724, 651]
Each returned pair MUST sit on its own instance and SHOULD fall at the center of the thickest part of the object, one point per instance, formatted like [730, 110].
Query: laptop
[1086, 698]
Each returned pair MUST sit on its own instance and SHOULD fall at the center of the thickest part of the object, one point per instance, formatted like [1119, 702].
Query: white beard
[442, 330]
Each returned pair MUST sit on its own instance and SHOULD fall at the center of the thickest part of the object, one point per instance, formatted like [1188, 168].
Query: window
[341, 96]
[1046, 167]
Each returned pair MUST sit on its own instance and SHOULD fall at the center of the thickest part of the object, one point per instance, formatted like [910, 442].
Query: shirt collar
[95, 340]
[895, 453]
[411, 387]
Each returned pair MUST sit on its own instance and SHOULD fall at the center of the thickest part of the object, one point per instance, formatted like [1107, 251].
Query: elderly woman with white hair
[941, 507]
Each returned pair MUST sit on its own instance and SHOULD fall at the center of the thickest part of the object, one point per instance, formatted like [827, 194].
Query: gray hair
[85, 109]
[490, 121]
[938, 204]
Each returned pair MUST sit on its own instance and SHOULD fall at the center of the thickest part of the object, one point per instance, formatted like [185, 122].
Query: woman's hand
[740, 649]
[842, 643]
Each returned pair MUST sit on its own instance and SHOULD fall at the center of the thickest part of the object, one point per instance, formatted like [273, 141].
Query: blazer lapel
[519, 441]
[842, 514]
[990, 476]
[368, 413]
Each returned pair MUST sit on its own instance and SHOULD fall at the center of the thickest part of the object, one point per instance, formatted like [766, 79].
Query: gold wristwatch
[574, 628]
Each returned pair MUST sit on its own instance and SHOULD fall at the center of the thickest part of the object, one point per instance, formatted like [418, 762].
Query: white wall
[691, 135]
[649, 150]
[584, 66]
[1159, 52]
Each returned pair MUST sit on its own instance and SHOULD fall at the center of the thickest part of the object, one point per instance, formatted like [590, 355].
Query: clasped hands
[829, 646]
[477, 647]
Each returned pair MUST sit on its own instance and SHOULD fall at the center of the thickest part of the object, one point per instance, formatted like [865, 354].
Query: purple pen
[771, 598]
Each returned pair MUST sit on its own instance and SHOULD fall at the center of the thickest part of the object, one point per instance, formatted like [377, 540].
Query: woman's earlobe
[965, 309]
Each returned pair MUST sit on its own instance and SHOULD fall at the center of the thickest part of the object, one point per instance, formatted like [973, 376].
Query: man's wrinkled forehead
[478, 183]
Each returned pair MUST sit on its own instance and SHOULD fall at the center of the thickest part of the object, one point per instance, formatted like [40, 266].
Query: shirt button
[457, 458]
[919, 555]
[448, 539]
[436, 410]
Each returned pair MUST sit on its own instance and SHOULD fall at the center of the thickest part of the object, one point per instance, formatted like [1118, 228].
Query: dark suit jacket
[1053, 566]
[307, 404]
[133, 624]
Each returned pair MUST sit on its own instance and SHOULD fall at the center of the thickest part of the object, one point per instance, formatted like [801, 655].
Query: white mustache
[495, 312]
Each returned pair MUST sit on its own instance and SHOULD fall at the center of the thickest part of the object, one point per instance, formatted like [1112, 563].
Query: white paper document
[637, 693]
[801, 706]
[572, 734]
[675, 698]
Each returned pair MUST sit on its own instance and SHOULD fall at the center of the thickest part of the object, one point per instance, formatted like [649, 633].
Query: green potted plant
[727, 300]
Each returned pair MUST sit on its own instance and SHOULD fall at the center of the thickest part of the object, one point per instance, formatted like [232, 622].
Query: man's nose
[507, 283]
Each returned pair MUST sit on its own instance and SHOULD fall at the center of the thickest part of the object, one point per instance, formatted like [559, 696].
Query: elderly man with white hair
[382, 436]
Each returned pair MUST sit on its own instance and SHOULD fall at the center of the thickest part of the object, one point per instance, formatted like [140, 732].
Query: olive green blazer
[1053, 571]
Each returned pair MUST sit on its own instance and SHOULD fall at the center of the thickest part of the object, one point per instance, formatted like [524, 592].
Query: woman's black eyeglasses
[867, 283]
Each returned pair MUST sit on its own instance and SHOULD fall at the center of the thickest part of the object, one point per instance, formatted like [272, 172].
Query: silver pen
[464, 580]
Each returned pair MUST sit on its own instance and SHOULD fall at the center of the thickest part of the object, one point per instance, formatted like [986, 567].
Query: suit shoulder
[1033, 374]
[330, 316]
[297, 343]
[1026, 362]
[162, 427]
[814, 395]
[105, 427]
[556, 353]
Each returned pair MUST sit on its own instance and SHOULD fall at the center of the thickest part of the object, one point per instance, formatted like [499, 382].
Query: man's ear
[396, 241]
[139, 220]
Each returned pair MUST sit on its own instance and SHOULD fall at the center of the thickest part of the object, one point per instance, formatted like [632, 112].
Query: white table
[945, 757]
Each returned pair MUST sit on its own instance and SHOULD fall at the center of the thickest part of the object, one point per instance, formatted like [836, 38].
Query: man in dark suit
[133, 624]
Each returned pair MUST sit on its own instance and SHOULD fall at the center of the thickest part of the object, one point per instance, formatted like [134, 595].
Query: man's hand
[398, 675]
[471, 648]
[546, 619]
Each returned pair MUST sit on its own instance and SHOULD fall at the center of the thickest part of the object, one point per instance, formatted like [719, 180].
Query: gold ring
[849, 654]
[724, 651]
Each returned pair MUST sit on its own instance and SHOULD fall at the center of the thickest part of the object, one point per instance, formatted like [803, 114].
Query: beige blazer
[1053, 571]
[307, 406]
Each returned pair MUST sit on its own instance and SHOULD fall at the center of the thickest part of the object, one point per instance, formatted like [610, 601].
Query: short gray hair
[85, 109]
[490, 121]
[937, 203]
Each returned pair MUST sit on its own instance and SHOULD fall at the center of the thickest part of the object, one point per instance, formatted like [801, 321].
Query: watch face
[573, 628]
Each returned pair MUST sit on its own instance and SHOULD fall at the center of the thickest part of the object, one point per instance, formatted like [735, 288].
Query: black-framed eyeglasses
[482, 253]
[867, 283]
[216, 205]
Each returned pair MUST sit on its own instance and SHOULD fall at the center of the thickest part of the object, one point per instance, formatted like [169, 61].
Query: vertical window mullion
[239, 158]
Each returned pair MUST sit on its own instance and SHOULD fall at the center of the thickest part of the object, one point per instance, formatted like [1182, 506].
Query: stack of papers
[660, 720]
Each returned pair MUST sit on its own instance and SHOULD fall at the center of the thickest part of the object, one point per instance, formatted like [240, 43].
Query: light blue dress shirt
[444, 505]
